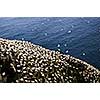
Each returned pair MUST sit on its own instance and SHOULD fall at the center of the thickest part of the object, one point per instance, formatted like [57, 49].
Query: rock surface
[22, 61]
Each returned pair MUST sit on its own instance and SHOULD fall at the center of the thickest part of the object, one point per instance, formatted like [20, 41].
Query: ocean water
[77, 36]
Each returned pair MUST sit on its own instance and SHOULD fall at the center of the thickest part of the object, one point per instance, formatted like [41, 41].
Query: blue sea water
[77, 36]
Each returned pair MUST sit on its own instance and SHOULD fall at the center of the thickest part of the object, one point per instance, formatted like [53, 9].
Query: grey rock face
[22, 61]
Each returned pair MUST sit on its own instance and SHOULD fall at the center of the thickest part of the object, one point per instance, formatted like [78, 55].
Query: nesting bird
[24, 62]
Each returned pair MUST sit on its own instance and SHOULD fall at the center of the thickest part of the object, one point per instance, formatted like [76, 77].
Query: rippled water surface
[79, 37]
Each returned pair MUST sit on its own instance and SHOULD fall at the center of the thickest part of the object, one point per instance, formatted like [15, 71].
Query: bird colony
[24, 62]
